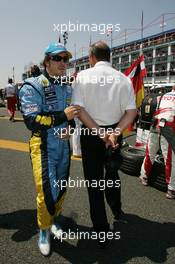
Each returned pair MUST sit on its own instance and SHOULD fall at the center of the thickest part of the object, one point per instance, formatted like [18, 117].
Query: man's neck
[53, 79]
[51, 75]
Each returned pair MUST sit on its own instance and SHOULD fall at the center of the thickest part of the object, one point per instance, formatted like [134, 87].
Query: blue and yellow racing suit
[43, 101]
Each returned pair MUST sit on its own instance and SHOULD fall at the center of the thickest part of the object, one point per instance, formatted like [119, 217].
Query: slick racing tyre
[132, 159]
[157, 177]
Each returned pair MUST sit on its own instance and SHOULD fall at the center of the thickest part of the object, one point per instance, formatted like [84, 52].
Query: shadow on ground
[18, 120]
[139, 238]
[23, 221]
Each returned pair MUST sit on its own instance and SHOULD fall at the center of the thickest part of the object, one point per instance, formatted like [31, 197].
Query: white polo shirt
[10, 90]
[104, 92]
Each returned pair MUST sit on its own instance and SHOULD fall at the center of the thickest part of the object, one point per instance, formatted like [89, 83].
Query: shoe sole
[45, 255]
[170, 197]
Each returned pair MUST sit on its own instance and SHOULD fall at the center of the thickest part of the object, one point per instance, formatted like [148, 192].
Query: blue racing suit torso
[42, 102]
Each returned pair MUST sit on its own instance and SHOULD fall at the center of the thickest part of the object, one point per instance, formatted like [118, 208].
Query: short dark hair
[100, 50]
[10, 80]
[47, 58]
[35, 71]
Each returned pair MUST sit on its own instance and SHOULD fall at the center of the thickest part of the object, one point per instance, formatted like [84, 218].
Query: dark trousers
[97, 160]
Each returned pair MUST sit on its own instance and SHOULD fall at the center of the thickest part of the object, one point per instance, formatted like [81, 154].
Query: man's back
[104, 92]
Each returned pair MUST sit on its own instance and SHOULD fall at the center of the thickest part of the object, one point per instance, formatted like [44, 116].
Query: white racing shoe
[57, 231]
[44, 242]
[144, 180]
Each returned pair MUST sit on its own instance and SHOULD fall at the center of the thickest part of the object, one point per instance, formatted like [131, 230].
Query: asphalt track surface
[147, 235]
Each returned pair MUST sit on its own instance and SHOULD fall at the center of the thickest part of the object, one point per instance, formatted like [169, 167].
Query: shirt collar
[102, 63]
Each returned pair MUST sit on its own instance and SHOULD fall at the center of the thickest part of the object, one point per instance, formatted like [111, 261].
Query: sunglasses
[59, 58]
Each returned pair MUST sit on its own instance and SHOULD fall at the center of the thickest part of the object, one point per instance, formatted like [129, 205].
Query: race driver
[45, 105]
[162, 136]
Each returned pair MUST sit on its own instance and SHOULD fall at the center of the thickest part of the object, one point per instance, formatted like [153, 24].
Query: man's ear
[93, 59]
[47, 63]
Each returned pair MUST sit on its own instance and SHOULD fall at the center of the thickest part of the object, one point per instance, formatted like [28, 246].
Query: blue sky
[26, 27]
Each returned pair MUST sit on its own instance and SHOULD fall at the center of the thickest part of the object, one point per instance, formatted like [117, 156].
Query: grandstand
[158, 50]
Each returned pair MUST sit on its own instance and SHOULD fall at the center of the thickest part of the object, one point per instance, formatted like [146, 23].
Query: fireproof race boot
[56, 230]
[170, 194]
[144, 180]
[44, 242]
